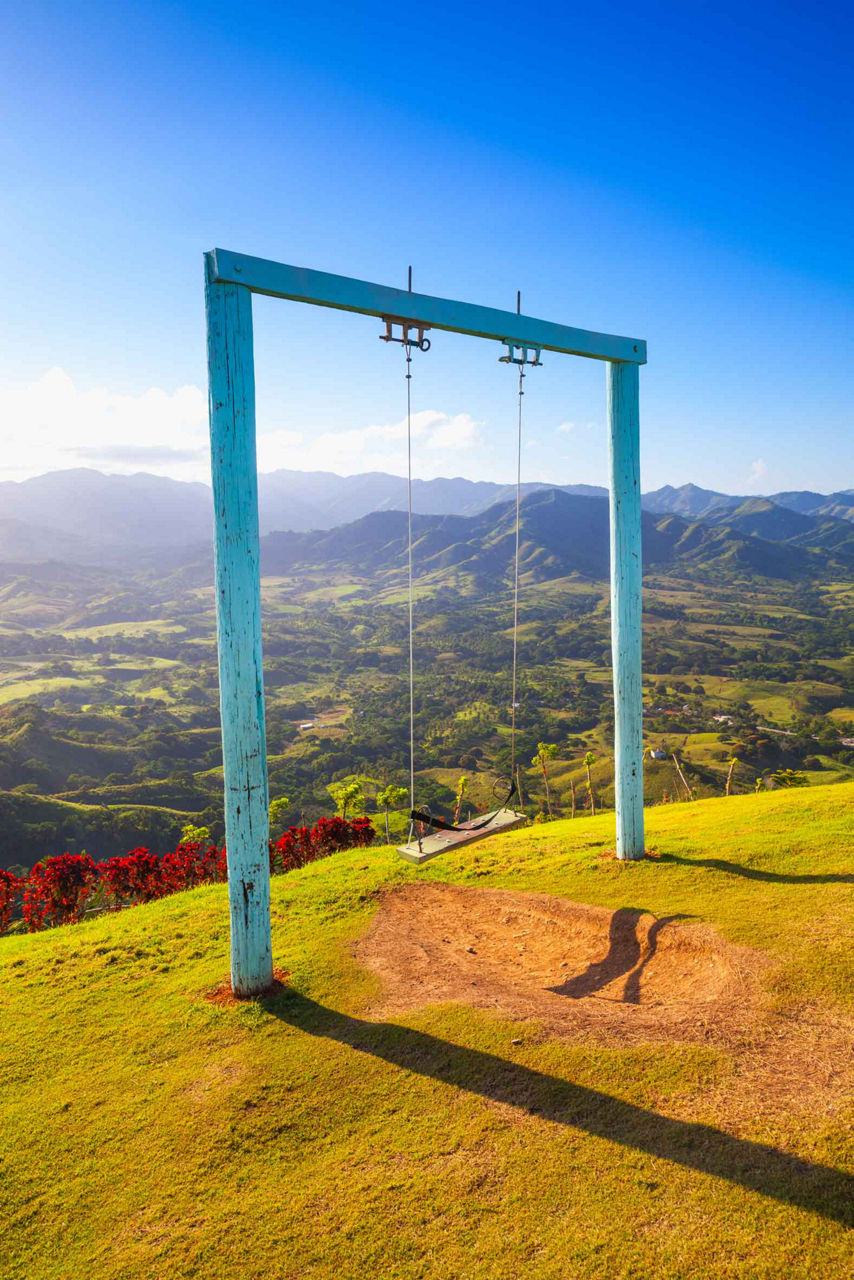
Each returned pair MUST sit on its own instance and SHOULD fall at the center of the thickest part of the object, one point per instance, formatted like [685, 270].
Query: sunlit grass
[148, 1133]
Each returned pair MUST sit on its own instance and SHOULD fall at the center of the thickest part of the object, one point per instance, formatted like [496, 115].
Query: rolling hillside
[550, 1116]
[561, 534]
[88, 517]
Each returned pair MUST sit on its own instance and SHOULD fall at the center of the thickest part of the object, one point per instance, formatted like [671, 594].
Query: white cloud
[758, 470]
[52, 424]
[379, 447]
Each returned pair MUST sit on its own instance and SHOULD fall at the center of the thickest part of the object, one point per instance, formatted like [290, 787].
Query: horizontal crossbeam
[298, 284]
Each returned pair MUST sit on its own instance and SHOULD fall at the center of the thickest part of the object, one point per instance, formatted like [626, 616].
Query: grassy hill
[353, 1125]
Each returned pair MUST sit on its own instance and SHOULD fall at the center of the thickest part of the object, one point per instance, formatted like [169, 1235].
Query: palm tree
[572, 794]
[590, 759]
[462, 787]
[545, 751]
[734, 760]
[682, 777]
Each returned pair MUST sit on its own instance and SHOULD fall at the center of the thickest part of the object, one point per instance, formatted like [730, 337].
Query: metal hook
[406, 327]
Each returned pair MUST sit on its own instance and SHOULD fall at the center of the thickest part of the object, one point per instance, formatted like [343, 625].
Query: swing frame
[230, 280]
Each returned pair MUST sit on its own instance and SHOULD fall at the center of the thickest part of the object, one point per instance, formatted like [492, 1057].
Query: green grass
[147, 1133]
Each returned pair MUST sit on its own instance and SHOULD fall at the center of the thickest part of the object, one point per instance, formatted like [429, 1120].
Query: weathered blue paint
[624, 452]
[238, 590]
[345, 294]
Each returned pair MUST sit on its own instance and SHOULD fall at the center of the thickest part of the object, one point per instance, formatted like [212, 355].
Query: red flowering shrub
[9, 886]
[189, 865]
[58, 889]
[362, 833]
[295, 848]
[134, 878]
[300, 845]
[141, 876]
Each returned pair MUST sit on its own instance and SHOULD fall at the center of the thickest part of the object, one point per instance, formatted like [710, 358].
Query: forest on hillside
[109, 722]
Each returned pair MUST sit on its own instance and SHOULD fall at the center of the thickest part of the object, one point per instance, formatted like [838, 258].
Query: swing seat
[463, 833]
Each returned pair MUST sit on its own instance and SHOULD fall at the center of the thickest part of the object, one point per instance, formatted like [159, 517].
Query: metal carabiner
[406, 326]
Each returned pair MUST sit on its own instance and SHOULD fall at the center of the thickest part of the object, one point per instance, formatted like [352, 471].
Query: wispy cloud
[51, 424]
[378, 447]
[758, 470]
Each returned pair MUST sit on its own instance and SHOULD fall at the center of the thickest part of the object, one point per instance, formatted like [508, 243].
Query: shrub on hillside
[9, 889]
[57, 890]
[300, 845]
[142, 876]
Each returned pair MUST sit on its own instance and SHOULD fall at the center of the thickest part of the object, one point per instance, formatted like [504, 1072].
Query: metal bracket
[421, 343]
[513, 347]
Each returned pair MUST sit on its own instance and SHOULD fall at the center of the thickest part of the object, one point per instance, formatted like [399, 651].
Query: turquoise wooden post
[624, 453]
[231, 391]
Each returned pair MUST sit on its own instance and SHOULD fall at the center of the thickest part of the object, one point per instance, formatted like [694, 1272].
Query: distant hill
[85, 517]
[688, 500]
[561, 534]
[94, 516]
[305, 500]
[763, 518]
[691, 501]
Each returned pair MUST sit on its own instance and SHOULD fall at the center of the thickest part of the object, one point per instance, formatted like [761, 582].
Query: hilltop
[665, 1124]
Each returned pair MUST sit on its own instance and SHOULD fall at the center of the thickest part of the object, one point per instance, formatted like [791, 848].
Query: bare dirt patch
[621, 977]
[569, 965]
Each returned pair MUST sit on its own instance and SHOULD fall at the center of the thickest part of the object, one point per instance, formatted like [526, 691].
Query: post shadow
[623, 954]
[755, 1166]
[754, 873]
[624, 951]
[631, 991]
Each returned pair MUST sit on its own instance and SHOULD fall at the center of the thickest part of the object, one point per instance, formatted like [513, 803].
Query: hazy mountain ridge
[561, 534]
[84, 516]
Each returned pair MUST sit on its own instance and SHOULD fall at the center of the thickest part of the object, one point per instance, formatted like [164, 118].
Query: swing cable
[513, 701]
[418, 816]
[407, 348]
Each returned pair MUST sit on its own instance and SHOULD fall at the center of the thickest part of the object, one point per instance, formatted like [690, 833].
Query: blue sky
[681, 173]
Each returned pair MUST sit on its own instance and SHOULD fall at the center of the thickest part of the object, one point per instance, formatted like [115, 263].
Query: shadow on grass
[754, 873]
[624, 951]
[752, 1165]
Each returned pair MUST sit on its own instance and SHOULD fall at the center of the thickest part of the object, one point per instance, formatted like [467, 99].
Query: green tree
[191, 834]
[546, 751]
[391, 797]
[347, 796]
[734, 760]
[278, 810]
[789, 778]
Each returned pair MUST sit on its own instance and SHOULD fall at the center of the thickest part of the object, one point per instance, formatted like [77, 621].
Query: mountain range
[85, 516]
[560, 534]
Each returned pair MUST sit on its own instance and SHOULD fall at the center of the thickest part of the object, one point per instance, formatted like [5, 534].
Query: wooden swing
[442, 836]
